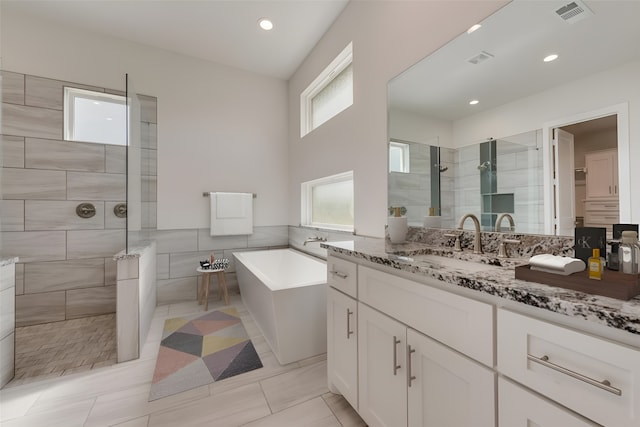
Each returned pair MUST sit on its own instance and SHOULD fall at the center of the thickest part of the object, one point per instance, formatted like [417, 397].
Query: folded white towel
[556, 264]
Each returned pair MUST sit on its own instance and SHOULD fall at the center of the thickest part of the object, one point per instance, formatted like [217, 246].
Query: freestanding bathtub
[285, 292]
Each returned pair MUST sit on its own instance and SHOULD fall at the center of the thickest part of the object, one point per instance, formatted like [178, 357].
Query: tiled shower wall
[66, 268]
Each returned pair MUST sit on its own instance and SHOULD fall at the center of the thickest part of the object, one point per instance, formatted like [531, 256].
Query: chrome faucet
[477, 243]
[314, 239]
[512, 224]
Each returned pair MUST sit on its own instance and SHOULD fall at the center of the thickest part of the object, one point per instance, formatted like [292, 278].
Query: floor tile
[232, 408]
[70, 415]
[296, 386]
[313, 413]
[347, 416]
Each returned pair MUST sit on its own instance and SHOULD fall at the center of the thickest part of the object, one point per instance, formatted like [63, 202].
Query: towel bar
[207, 194]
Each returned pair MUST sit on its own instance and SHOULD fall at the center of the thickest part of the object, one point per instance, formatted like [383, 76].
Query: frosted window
[95, 117]
[328, 202]
[335, 97]
[329, 94]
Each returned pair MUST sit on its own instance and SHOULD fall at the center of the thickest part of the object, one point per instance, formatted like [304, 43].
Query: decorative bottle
[398, 226]
[595, 265]
[629, 252]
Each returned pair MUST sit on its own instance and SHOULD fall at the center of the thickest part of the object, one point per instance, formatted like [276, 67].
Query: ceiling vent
[574, 12]
[481, 57]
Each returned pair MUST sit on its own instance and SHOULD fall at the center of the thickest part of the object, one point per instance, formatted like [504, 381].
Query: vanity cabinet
[518, 407]
[409, 379]
[342, 345]
[416, 345]
[594, 377]
[342, 329]
[382, 369]
[602, 174]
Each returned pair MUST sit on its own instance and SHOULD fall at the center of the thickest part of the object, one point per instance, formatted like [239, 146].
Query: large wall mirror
[546, 140]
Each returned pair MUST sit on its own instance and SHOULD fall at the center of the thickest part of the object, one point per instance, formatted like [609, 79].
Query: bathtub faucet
[314, 239]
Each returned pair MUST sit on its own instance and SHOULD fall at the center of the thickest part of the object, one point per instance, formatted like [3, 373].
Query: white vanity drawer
[592, 376]
[603, 206]
[461, 323]
[342, 275]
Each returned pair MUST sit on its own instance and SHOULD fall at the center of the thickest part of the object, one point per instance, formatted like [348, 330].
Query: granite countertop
[8, 261]
[494, 276]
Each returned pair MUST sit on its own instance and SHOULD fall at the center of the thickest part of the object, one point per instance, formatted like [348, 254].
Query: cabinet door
[600, 174]
[382, 343]
[342, 345]
[521, 408]
[449, 390]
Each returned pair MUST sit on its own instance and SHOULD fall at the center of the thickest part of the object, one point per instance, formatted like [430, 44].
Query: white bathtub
[285, 292]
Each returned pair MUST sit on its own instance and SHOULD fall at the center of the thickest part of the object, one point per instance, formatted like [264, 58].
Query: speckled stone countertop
[134, 252]
[494, 276]
[8, 261]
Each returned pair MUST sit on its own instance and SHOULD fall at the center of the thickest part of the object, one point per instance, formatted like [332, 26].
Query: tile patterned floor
[293, 395]
[63, 348]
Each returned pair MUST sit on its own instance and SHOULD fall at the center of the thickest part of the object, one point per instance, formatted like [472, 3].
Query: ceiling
[518, 36]
[221, 31]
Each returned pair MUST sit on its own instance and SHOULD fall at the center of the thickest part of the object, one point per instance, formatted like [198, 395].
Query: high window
[328, 202]
[91, 116]
[398, 157]
[329, 94]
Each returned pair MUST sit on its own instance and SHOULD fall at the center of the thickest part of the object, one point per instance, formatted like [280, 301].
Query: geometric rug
[200, 349]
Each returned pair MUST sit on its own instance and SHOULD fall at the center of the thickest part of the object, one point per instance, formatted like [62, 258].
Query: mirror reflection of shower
[484, 166]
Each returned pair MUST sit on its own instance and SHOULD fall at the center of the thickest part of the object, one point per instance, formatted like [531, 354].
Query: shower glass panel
[135, 235]
[518, 190]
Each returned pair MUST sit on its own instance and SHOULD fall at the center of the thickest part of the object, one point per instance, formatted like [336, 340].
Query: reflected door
[564, 182]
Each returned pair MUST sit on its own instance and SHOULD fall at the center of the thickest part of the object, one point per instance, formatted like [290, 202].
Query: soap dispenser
[629, 252]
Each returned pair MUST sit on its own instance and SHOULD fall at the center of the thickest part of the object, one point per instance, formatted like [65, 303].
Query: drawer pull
[339, 274]
[410, 377]
[396, 341]
[604, 385]
[349, 331]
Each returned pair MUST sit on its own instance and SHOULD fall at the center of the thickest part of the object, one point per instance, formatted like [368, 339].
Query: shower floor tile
[66, 347]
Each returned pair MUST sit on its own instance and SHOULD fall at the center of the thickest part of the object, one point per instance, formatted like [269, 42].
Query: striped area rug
[198, 350]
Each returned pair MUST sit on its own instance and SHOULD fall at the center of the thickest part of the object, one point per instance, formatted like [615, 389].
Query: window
[329, 94]
[328, 202]
[398, 157]
[91, 116]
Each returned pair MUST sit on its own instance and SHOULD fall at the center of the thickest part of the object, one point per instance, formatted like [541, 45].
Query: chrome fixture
[502, 247]
[512, 224]
[477, 243]
[456, 244]
[120, 210]
[441, 168]
[85, 210]
[314, 239]
[484, 166]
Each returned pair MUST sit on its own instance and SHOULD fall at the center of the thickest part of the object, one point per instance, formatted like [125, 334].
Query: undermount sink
[436, 261]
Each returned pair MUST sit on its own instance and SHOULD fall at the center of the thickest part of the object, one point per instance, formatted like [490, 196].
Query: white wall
[219, 128]
[388, 37]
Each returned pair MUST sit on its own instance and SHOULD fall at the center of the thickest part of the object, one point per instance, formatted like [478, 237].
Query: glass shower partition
[135, 234]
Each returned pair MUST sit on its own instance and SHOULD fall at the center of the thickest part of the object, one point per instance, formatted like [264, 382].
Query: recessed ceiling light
[473, 28]
[109, 118]
[265, 24]
[473, 102]
[550, 58]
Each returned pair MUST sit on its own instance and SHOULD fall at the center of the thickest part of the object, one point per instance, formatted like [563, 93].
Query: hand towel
[231, 214]
[556, 264]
